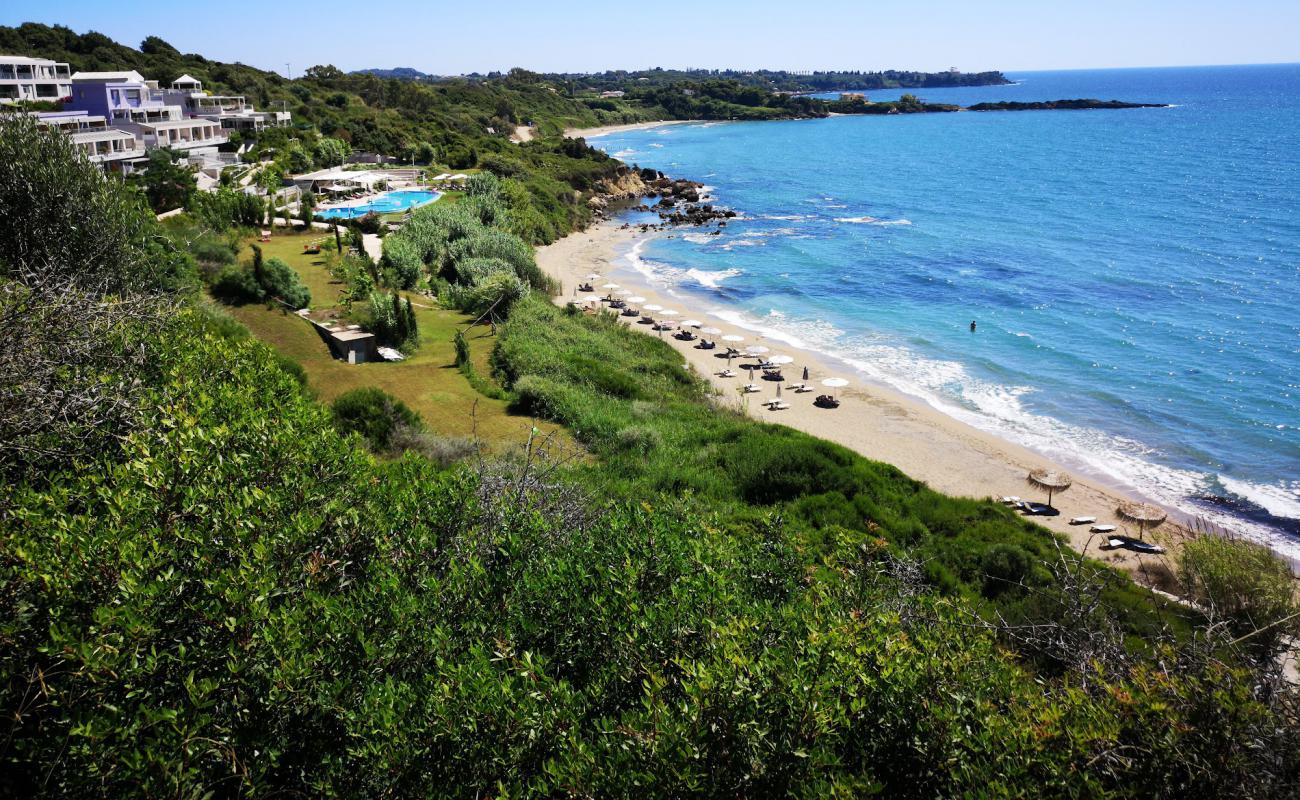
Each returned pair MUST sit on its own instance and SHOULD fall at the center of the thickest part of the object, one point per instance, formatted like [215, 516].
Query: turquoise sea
[1135, 274]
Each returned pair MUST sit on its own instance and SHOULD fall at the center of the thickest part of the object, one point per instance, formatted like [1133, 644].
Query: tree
[84, 274]
[332, 152]
[167, 180]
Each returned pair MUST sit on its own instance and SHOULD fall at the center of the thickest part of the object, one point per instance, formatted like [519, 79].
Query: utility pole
[288, 73]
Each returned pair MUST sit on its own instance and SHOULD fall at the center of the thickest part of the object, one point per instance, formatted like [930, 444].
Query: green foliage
[244, 603]
[1243, 582]
[227, 207]
[392, 321]
[374, 414]
[167, 181]
[331, 152]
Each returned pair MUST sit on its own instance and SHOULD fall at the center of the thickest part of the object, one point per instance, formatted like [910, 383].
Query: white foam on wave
[872, 221]
[712, 280]
[1278, 500]
[667, 276]
[625, 153]
[752, 242]
[656, 144]
[950, 388]
[699, 238]
[786, 217]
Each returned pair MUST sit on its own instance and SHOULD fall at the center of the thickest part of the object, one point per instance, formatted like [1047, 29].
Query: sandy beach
[592, 133]
[877, 422]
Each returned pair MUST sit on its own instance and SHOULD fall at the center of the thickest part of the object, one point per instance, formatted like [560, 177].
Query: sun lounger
[1039, 510]
[631, 312]
[705, 344]
[726, 373]
[1011, 500]
[751, 389]
[802, 389]
[1102, 529]
[1082, 520]
[777, 405]
[646, 321]
[826, 401]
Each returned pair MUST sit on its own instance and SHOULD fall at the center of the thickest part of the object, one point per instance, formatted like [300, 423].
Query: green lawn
[428, 381]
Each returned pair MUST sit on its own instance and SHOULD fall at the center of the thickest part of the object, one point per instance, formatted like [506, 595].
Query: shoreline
[876, 421]
[606, 130]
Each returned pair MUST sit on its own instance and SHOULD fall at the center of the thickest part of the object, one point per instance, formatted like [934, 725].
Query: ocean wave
[656, 144]
[699, 238]
[625, 153]
[786, 217]
[712, 280]
[754, 242]
[872, 221]
[1278, 501]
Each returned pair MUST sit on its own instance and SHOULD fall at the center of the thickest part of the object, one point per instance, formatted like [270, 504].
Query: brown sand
[948, 455]
[592, 133]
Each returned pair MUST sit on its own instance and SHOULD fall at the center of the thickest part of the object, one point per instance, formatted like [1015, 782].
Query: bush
[280, 280]
[236, 285]
[373, 414]
[1241, 581]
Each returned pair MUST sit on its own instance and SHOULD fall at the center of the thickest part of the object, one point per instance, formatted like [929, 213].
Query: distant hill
[401, 73]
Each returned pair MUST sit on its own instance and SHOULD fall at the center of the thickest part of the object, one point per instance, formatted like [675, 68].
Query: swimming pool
[386, 203]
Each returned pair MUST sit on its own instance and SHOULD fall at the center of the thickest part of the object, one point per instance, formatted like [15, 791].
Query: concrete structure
[27, 78]
[232, 111]
[115, 149]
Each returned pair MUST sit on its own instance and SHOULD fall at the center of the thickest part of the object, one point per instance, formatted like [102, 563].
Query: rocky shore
[680, 201]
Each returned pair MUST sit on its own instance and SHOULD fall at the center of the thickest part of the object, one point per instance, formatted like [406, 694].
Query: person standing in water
[972, 326]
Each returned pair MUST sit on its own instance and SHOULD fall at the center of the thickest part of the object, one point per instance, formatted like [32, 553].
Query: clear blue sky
[470, 35]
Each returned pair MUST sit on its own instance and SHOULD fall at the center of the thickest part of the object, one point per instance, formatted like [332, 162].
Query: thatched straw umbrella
[1050, 481]
[1143, 514]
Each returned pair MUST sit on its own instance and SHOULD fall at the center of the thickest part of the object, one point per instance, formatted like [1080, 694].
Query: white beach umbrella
[781, 359]
[835, 383]
[591, 276]
[731, 337]
[693, 323]
[710, 330]
[591, 298]
[756, 349]
[653, 307]
[636, 299]
[611, 286]
[668, 312]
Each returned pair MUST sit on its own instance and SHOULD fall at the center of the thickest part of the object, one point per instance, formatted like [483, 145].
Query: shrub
[1244, 582]
[280, 280]
[373, 414]
[236, 285]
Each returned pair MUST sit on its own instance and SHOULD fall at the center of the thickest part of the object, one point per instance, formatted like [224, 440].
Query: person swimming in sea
[972, 326]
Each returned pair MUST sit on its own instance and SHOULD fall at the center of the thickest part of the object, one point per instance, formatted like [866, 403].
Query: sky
[481, 36]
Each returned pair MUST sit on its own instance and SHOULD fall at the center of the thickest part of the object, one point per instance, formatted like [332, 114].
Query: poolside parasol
[1143, 514]
[1050, 481]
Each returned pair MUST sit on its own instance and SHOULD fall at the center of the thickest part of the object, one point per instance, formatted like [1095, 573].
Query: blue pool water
[1134, 274]
[386, 203]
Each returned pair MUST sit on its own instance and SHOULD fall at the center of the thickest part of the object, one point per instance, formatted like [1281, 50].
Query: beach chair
[726, 373]
[826, 401]
[779, 405]
[1082, 520]
[646, 321]
[631, 312]
[751, 389]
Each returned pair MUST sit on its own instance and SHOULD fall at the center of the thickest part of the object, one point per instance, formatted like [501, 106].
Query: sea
[1133, 275]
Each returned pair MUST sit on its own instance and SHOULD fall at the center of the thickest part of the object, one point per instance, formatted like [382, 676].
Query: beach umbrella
[1143, 514]
[1050, 481]
[636, 299]
[653, 307]
[756, 350]
[781, 359]
[778, 391]
[835, 383]
[731, 337]
[805, 373]
[611, 286]
[591, 276]
[693, 323]
[668, 312]
[591, 298]
[710, 330]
